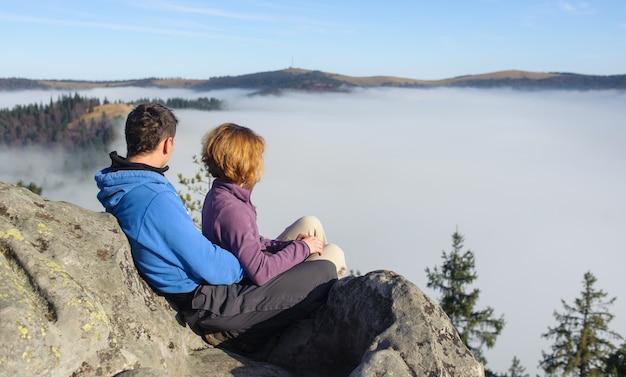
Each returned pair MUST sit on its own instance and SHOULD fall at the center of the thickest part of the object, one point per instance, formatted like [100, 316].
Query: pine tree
[516, 369]
[581, 345]
[477, 328]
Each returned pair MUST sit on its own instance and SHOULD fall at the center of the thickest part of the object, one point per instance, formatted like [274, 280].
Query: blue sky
[129, 39]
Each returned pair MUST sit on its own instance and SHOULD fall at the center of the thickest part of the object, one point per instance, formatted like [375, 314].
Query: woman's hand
[315, 245]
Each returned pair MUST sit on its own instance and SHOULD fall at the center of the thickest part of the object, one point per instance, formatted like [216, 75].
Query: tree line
[60, 123]
[51, 124]
[583, 344]
[201, 103]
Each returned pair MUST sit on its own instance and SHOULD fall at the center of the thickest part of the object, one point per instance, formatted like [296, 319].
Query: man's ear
[168, 145]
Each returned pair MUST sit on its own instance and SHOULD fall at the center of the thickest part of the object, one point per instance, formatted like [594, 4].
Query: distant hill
[317, 81]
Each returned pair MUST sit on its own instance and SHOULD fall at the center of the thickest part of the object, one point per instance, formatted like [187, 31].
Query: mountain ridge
[270, 82]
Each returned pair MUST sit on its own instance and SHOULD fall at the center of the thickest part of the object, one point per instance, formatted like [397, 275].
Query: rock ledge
[72, 304]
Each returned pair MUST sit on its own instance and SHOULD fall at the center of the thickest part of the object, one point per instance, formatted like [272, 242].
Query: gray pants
[255, 313]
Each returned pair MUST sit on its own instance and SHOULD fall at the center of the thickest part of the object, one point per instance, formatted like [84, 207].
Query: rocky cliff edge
[72, 304]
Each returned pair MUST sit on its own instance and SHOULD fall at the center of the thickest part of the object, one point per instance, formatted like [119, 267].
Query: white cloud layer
[534, 180]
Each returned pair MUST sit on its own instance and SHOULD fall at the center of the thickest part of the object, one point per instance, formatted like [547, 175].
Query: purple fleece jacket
[229, 220]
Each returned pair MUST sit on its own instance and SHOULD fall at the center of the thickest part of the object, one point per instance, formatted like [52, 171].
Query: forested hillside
[75, 122]
[58, 123]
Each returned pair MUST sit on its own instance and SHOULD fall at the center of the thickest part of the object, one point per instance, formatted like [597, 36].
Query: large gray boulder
[72, 304]
[375, 325]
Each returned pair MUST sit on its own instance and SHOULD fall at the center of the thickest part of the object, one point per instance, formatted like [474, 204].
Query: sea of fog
[535, 181]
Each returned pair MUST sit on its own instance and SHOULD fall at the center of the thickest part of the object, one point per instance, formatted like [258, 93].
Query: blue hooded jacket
[169, 251]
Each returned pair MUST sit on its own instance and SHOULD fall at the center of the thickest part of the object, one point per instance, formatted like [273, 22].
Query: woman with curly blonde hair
[233, 155]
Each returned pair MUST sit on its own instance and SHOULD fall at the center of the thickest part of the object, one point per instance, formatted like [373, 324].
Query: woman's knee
[309, 225]
[309, 222]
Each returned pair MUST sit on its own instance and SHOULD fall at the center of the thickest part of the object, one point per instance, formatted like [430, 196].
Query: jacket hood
[114, 185]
